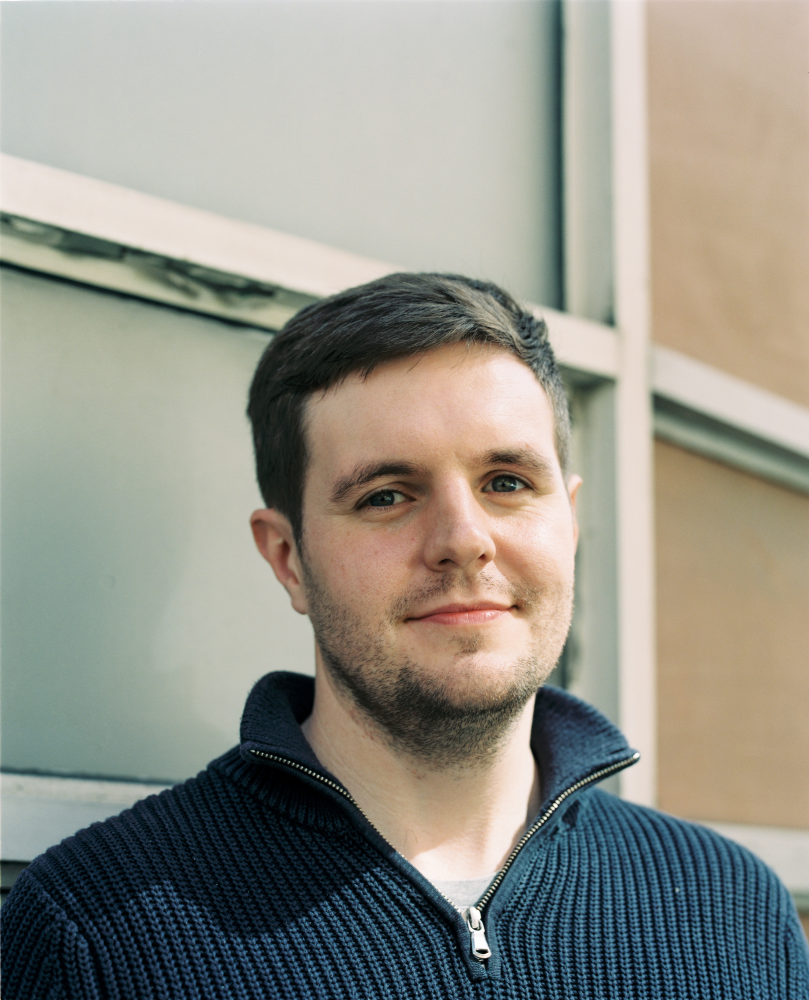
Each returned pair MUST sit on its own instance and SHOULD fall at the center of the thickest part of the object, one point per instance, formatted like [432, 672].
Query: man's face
[438, 539]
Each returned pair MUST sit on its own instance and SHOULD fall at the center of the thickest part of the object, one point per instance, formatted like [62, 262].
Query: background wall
[733, 635]
[423, 134]
[729, 147]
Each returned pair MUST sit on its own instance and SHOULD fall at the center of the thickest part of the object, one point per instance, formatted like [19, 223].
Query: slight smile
[463, 614]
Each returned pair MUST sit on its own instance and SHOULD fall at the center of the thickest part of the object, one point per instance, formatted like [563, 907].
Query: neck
[454, 823]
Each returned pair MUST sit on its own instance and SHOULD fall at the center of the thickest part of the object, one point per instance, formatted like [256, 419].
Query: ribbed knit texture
[252, 881]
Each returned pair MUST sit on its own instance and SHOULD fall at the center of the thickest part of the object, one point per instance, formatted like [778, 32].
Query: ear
[573, 484]
[275, 540]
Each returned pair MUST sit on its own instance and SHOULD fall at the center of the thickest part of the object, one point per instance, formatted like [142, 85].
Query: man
[422, 820]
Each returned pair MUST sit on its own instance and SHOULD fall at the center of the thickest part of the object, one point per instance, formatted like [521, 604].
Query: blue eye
[385, 498]
[505, 484]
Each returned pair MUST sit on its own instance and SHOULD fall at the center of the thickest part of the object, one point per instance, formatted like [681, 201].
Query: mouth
[473, 613]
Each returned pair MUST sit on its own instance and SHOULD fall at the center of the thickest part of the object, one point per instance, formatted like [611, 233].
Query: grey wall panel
[423, 134]
[136, 611]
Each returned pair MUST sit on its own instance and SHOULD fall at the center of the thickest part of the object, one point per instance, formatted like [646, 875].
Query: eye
[504, 484]
[385, 498]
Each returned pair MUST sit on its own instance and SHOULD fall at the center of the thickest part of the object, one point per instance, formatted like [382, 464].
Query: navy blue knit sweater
[259, 878]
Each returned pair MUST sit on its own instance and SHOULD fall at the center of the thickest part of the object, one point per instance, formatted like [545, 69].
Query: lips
[473, 613]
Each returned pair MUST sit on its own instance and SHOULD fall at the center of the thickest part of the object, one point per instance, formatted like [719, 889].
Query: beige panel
[733, 643]
[729, 146]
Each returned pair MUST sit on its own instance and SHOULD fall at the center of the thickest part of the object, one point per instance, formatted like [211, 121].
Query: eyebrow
[524, 458]
[367, 472]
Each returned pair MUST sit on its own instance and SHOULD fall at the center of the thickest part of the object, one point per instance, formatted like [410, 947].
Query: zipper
[473, 915]
[346, 795]
[485, 899]
[477, 935]
[312, 774]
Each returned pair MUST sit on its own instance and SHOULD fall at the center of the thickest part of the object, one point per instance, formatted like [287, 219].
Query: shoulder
[188, 841]
[678, 850]
[62, 906]
[713, 890]
[650, 828]
[37, 937]
[116, 857]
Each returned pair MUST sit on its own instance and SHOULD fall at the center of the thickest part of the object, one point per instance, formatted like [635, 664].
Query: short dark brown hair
[354, 331]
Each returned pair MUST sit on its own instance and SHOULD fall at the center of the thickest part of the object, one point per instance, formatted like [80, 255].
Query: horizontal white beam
[786, 851]
[145, 222]
[150, 276]
[38, 812]
[157, 226]
[581, 344]
[725, 444]
[730, 400]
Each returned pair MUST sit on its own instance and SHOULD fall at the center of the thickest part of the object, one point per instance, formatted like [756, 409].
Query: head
[411, 439]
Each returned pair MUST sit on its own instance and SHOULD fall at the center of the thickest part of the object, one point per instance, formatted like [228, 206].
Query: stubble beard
[416, 713]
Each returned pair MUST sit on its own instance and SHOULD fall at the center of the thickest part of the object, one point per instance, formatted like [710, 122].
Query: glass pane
[423, 134]
[136, 611]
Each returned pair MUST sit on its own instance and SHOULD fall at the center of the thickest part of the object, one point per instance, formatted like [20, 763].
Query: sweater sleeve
[797, 960]
[44, 956]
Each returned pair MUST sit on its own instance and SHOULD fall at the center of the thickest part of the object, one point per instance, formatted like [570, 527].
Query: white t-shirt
[464, 892]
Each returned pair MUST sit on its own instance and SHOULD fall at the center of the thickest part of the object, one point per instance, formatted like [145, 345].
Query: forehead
[450, 403]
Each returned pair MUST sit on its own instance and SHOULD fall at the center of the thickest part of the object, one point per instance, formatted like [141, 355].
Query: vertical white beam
[587, 175]
[636, 632]
[593, 649]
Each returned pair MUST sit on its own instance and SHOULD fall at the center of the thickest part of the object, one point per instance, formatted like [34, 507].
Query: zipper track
[486, 897]
[337, 788]
[312, 774]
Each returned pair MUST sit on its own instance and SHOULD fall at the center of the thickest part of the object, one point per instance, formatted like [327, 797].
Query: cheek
[365, 568]
[539, 551]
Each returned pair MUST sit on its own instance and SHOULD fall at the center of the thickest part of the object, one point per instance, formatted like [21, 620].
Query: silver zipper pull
[477, 934]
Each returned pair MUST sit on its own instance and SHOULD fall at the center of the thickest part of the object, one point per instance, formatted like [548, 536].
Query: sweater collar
[571, 741]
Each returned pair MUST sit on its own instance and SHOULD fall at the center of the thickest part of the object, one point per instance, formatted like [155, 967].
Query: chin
[445, 710]
[483, 681]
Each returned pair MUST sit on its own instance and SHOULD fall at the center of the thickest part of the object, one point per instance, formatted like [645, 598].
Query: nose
[459, 533]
